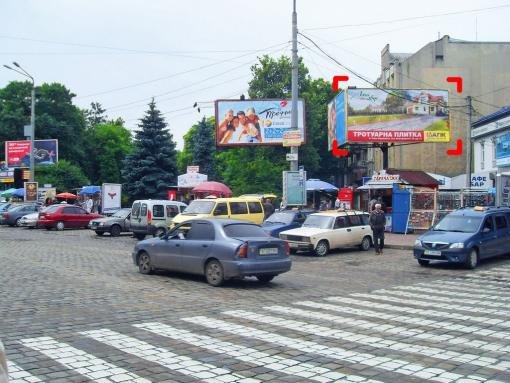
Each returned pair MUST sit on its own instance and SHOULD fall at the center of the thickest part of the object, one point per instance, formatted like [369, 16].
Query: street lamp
[23, 72]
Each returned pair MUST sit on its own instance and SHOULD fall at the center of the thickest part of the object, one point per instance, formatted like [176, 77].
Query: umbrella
[91, 189]
[8, 192]
[66, 195]
[318, 185]
[19, 192]
[212, 187]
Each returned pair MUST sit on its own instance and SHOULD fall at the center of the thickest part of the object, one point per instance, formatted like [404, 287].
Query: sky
[123, 53]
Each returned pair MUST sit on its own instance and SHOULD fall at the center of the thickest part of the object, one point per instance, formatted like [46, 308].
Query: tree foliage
[152, 167]
[63, 175]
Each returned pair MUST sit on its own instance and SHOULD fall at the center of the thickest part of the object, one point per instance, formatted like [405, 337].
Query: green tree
[152, 167]
[63, 175]
[204, 147]
[95, 115]
[185, 156]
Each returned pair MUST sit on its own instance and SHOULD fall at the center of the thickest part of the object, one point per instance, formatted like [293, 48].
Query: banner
[31, 192]
[256, 122]
[395, 115]
[336, 120]
[190, 180]
[294, 188]
[503, 150]
[17, 153]
[110, 197]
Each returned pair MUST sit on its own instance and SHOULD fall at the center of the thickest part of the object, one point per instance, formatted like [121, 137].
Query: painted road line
[462, 285]
[394, 365]
[373, 341]
[407, 319]
[250, 355]
[181, 364]
[391, 329]
[456, 292]
[18, 375]
[83, 363]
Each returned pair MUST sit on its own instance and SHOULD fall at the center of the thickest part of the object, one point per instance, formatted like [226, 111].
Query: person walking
[377, 224]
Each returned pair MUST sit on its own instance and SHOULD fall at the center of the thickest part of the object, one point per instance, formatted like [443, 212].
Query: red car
[62, 216]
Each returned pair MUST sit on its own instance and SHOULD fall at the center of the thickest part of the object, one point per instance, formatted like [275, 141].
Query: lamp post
[23, 72]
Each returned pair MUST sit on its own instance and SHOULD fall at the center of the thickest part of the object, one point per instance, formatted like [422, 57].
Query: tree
[63, 175]
[151, 168]
[95, 115]
[204, 147]
[185, 157]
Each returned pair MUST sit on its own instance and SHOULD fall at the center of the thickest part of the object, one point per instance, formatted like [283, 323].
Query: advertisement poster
[294, 188]
[110, 197]
[190, 180]
[17, 153]
[396, 115]
[256, 122]
[505, 191]
[336, 120]
[30, 192]
[503, 150]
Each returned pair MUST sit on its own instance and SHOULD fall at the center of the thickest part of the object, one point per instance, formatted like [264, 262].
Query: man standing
[377, 224]
[268, 208]
[89, 204]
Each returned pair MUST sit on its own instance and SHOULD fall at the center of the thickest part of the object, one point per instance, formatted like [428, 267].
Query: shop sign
[192, 169]
[385, 179]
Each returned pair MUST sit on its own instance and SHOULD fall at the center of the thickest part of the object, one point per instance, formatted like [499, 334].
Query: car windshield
[122, 213]
[51, 209]
[237, 230]
[199, 207]
[285, 218]
[459, 223]
[319, 221]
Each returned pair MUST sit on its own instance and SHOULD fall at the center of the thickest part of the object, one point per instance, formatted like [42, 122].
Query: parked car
[153, 217]
[114, 224]
[220, 249]
[330, 230]
[29, 220]
[465, 236]
[12, 216]
[284, 220]
[63, 216]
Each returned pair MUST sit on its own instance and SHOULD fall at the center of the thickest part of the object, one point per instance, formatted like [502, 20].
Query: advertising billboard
[294, 188]
[503, 150]
[111, 197]
[31, 194]
[395, 115]
[17, 153]
[256, 122]
[336, 120]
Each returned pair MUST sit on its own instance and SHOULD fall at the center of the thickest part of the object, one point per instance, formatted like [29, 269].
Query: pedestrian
[88, 204]
[338, 203]
[377, 224]
[268, 208]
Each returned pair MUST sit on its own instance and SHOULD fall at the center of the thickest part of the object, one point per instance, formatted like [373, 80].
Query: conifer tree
[152, 166]
[204, 148]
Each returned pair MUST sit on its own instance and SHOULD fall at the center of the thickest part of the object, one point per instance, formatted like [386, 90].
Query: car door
[239, 210]
[165, 252]
[488, 238]
[341, 233]
[221, 210]
[139, 221]
[502, 233]
[358, 230]
[197, 246]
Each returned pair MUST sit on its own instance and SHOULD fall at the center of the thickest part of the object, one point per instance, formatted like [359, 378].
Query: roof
[498, 114]
[415, 177]
[336, 213]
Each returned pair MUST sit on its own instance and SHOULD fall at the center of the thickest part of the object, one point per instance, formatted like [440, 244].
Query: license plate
[268, 251]
[432, 252]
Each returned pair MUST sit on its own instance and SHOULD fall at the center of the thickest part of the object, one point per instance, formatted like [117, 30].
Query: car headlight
[457, 245]
[417, 243]
[101, 223]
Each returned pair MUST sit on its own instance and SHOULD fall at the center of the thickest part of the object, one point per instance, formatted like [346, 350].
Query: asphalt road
[75, 309]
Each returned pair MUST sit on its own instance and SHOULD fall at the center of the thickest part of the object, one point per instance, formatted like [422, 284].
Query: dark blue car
[284, 220]
[465, 236]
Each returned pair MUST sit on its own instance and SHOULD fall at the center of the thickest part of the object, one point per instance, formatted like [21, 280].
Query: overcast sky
[121, 53]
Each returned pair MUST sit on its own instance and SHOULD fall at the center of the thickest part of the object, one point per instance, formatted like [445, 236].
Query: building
[484, 69]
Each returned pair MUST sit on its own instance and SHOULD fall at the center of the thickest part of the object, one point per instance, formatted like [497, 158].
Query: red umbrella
[66, 195]
[213, 188]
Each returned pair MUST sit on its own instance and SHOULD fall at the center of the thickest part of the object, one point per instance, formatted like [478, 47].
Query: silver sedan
[220, 249]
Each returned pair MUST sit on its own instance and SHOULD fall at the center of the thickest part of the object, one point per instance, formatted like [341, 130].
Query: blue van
[465, 236]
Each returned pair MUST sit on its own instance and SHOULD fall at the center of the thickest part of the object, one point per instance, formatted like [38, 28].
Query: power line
[486, 103]
[493, 91]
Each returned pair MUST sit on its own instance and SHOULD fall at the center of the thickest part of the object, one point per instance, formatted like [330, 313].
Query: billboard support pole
[295, 63]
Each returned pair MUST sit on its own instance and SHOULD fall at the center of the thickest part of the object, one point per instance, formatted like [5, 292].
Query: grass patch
[440, 125]
[361, 120]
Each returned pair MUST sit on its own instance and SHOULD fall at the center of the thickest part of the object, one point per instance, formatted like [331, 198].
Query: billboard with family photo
[256, 122]
[17, 153]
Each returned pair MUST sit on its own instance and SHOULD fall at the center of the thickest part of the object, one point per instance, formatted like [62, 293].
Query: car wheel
[472, 259]
[365, 243]
[423, 262]
[60, 225]
[115, 230]
[159, 232]
[140, 236]
[322, 248]
[18, 222]
[144, 263]
[214, 273]
[100, 233]
[265, 278]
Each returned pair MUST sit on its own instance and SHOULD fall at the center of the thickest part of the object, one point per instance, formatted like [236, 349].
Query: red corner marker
[336, 80]
[339, 152]
[457, 151]
[458, 80]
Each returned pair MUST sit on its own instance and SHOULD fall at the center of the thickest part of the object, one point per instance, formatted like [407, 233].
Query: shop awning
[375, 186]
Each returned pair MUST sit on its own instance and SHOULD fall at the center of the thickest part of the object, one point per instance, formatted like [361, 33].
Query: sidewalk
[399, 241]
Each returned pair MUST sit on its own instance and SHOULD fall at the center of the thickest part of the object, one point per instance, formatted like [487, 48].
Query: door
[221, 210]
[197, 246]
[139, 217]
[239, 210]
[488, 238]
[166, 253]
[358, 229]
[502, 233]
[341, 235]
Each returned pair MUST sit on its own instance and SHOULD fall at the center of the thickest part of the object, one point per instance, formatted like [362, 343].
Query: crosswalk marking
[18, 375]
[85, 364]
[408, 319]
[182, 364]
[394, 365]
[462, 285]
[471, 309]
[251, 355]
[372, 341]
[432, 313]
[458, 292]
[484, 278]
[394, 330]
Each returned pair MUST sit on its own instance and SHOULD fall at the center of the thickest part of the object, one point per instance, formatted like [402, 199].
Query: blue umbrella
[19, 192]
[318, 185]
[91, 189]
[7, 192]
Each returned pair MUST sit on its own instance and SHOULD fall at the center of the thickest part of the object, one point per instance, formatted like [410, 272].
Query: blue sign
[503, 150]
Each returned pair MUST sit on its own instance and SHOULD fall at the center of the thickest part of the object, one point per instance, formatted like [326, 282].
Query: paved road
[74, 309]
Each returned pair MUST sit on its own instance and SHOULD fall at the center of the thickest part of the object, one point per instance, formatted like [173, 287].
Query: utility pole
[468, 147]
[295, 63]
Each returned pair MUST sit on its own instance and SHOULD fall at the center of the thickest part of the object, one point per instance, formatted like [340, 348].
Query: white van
[152, 216]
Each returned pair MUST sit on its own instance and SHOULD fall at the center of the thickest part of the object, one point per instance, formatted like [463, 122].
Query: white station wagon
[330, 230]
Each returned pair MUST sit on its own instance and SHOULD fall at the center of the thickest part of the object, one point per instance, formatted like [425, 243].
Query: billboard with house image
[397, 115]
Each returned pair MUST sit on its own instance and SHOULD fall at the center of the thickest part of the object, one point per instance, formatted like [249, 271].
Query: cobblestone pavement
[75, 309]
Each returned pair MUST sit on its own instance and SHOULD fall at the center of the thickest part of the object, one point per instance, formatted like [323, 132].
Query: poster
[110, 197]
[17, 153]
[30, 192]
[294, 188]
[503, 150]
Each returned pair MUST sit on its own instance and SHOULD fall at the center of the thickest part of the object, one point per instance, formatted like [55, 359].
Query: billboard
[110, 197]
[503, 150]
[17, 153]
[256, 122]
[31, 193]
[394, 115]
[294, 188]
[336, 120]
